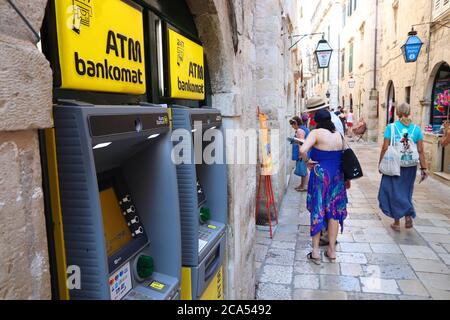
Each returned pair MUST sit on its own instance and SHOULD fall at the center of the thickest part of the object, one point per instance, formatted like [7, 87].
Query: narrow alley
[374, 262]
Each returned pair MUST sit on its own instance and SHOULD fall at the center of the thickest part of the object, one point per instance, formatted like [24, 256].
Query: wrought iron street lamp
[411, 49]
[323, 54]
[351, 83]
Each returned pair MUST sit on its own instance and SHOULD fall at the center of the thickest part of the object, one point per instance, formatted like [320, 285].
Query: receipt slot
[119, 201]
[203, 208]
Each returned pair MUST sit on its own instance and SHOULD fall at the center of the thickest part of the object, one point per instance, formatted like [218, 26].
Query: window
[408, 95]
[343, 64]
[395, 21]
[350, 8]
[344, 13]
[350, 59]
[354, 5]
[440, 7]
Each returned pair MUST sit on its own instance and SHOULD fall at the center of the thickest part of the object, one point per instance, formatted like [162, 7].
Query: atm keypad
[131, 217]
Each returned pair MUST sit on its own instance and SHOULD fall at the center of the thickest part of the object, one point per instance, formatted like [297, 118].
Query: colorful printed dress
[327, 196]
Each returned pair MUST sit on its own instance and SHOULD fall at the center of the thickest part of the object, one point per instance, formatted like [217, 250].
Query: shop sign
[101, 45]
[187, 73]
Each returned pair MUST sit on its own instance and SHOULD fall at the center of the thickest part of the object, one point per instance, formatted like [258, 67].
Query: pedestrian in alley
[315, 104]
[395, 194]
[301, 132]
[349, 121]
[327, 195]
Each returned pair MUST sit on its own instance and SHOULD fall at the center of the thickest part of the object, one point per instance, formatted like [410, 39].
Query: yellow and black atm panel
[203, 208]
[115, 177]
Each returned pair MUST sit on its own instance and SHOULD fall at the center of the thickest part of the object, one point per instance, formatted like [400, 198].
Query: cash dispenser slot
[115, 175]
[203, 205]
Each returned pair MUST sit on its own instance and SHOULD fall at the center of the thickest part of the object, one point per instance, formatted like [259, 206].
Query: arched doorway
[440, 97]
[390, 103]
[440, 109]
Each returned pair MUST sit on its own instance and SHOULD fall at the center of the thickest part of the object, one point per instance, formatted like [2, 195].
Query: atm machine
[119, 201]
[203, 208]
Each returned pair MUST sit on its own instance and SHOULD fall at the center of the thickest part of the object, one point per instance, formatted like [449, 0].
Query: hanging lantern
[411, 49]
[351, 83]
[323, 54]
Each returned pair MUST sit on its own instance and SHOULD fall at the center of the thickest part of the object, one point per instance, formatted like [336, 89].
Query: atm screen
[117, 232]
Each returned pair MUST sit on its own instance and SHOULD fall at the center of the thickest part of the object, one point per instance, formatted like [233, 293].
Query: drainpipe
[339, 72]
[376, 48]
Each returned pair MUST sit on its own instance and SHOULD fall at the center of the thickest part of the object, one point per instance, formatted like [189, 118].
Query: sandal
[314, 260]
[396, 227]
[324, 243]
[409, 223]
[329, 258]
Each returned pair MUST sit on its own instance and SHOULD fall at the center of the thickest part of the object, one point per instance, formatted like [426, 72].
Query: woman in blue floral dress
[327, 195]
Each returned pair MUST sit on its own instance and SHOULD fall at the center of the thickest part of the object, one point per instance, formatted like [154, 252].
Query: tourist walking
[349, 121]
[301, 132]
[327, 195]
[395, 194]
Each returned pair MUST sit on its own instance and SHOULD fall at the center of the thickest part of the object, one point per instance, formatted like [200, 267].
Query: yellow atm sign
[187, 71]
[101, 45]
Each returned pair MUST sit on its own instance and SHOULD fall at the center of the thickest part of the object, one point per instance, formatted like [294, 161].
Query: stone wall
[246, 46]
[360, 30]
[25, 106]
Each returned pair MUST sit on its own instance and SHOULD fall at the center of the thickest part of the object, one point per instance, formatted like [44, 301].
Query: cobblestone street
[374, 262]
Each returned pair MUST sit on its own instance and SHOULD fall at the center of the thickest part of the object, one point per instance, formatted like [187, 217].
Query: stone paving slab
[270, 291]
[378, 285]
[418, 252]
[317, 295]
[433, 266]
[413, 288]
[371, 296]
[373, 261]
[280, 257]
[393, 271]
[339, 283]
[277, 274]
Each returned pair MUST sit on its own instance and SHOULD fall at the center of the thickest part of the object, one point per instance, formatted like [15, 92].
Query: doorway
[391, 103]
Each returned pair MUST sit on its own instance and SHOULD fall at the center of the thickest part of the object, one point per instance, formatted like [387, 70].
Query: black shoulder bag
[350, 164]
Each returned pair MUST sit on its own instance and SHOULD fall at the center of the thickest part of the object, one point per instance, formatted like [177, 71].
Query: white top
[350, 117]
[337, 123]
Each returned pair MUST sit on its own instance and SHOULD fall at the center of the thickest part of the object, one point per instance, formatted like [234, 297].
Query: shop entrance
[390, 104]
[440, 108]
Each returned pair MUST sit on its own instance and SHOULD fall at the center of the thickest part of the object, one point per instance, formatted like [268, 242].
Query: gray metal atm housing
[213, 180]
[140, 147]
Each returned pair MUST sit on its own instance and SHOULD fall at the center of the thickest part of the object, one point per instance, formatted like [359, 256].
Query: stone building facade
[246, 46]
[25, 107]
[415, 82]
[349, 27]
[325, 19]
[358, 61]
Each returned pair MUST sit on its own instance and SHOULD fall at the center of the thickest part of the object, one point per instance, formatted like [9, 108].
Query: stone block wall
[25, 107]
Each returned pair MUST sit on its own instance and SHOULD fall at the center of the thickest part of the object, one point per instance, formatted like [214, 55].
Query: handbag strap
[344, 143]
[392, 134]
